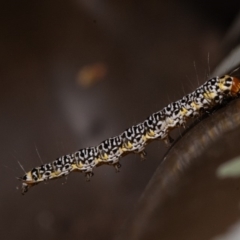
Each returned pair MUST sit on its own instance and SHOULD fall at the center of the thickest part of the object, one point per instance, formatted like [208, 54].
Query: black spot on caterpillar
[134, 139]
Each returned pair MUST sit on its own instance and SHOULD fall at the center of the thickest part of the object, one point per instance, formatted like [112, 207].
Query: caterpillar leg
[117, 166]
[143, 155]
[168, 140]
[88, 176]
[25, 188]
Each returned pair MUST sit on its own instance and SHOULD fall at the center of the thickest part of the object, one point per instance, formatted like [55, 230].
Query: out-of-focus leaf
[229, 169]
[91, 74]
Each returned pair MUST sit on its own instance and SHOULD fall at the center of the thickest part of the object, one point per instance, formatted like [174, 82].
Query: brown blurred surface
[149, 48]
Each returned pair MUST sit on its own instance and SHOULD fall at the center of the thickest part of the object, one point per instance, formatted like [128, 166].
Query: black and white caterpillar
[134, 139]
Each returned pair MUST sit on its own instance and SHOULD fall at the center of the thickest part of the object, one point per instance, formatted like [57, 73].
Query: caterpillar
[136, 138]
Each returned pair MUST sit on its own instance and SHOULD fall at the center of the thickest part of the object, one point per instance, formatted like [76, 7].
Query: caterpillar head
[229, 85]
[235, 86]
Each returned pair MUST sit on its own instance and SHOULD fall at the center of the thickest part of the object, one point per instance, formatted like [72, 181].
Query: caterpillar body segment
[154, 126]
[136, 138]
[110, 150]
[85, 159]
[62, 166]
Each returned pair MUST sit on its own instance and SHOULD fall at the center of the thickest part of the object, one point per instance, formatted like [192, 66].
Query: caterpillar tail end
[25, 186]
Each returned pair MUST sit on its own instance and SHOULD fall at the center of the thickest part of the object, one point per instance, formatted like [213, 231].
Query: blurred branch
[211, 141]
[185, 197]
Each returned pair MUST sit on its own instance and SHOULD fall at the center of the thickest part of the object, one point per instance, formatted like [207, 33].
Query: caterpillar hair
[134, 139]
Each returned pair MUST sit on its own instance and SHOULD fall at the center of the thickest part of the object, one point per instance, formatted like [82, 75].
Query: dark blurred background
[74, 73]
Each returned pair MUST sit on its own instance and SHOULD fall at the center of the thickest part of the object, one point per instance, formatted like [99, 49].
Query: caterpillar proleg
[134, 139]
